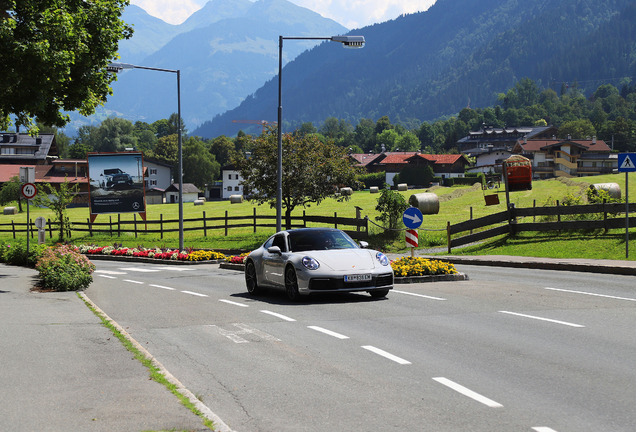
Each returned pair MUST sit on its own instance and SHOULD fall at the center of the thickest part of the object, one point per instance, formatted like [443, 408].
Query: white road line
[329, 332]
[139, 269]
[592, 294]
[107, 277]
[162, 287]
[111, 272]
[543, 429]
[386, 354]
[283, 317]
[419, 295]
[467, 392]
[194, 294]
[132, 281]
[233, 303]
[543, 319]
[174, 268]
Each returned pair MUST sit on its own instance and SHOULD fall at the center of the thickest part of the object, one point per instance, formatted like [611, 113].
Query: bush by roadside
[63, 268]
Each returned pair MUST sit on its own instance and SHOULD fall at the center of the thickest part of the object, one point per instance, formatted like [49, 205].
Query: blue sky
[349, 13]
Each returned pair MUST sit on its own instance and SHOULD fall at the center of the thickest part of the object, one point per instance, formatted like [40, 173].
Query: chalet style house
[568, 157]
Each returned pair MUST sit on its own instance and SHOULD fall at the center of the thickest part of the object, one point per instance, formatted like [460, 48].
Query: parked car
[317, 260]
[117, 179]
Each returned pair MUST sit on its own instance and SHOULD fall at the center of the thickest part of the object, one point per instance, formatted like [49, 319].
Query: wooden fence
[511, 223]
[203, 224]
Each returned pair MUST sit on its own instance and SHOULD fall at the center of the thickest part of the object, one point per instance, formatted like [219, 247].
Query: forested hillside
[459, 53]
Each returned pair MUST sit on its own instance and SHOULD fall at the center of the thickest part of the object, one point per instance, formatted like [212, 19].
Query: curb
[219, 425]
[396, 280]
[146, 260]
[431, 278]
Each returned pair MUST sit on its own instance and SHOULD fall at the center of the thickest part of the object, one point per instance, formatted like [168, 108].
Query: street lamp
[347, 42]
[119, 67]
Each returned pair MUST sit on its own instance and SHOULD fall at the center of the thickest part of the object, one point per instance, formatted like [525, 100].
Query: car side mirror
[274, 250]
[364, 244]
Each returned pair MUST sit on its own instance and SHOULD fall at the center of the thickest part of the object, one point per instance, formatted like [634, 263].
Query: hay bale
[236, 199]
[612, 189]
[374, 189]
[403, 187]
[10, 210]
[346, 191]
[199, 202]
[427, 203]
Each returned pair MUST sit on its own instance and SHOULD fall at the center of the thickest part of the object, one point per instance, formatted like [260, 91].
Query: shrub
[391, 205]
[418, 266]
[15, 253]
[373, 179]
[63, 268]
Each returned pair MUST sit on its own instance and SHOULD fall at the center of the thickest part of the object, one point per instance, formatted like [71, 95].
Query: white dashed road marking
[328, 332]
[277, 315]
[162, 287]
[233, 303]
[133, 281]
[194, 294]
[419, 295]
[542, 319]
[592, 294]
[469, 393]
[386, 355]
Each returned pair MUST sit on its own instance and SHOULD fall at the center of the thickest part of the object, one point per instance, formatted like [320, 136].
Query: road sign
[29, 190]
[411, 238]
[626, 162]
[412, 218]
[40, 222]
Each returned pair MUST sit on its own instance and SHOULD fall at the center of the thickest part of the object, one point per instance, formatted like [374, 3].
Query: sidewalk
[62, 370]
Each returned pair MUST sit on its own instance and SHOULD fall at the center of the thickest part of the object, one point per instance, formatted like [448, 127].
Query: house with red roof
[568, 157]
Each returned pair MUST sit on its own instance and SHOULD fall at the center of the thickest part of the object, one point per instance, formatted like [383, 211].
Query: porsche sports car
[317, 260]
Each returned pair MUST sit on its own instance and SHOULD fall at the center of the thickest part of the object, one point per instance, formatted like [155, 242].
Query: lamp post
[347, 42]
[119, 67]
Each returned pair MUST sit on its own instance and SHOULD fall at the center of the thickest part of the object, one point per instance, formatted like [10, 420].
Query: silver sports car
[317, 260]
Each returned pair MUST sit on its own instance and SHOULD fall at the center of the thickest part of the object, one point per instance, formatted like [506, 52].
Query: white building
[231, 182]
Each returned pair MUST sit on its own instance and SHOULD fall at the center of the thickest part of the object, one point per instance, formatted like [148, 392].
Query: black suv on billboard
[117, 179]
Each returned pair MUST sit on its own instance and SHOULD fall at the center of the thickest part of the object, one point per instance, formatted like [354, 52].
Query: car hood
[345, 259]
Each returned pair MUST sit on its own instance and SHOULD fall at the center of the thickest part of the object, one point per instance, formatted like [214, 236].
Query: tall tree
[199, 166]
[54, 57]
[312, 171]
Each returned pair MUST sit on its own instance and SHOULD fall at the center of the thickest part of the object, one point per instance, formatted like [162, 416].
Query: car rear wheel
[379, 293]
[250, 278]
[291, 284]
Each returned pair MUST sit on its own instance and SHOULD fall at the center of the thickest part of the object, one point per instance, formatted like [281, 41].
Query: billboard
[116, 182]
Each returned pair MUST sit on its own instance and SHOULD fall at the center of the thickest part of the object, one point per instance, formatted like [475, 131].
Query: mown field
[456, 204]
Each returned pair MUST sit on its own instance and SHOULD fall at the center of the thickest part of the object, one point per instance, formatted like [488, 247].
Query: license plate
[357, 278]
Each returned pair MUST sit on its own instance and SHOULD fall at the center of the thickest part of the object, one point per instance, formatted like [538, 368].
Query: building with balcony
[568, 157]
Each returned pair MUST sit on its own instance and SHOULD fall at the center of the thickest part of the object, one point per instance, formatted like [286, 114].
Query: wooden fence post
[448, 235]
[50, 229]
[335, 222]
[534, 205]
[604, 216]
[90, 227]
[135, 223]
[225, 223]
[110, 225]
[254, 219]
[304, 220]
[118, 225]
[13, 228]
[161, 224]
[471, 216]
[205, 227]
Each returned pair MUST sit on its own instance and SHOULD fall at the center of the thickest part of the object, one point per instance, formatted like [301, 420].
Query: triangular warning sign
[627, 163]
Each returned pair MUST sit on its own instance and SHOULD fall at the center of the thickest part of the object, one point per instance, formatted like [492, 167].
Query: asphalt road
[507, 350]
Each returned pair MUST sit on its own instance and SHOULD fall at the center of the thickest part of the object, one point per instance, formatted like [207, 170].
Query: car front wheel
[291, 284]
[379, 293]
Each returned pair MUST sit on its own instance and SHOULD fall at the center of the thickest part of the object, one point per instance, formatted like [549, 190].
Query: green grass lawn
[456, 205]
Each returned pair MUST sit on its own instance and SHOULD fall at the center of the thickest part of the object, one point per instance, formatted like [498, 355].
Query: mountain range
[459, 53]
[224, 52]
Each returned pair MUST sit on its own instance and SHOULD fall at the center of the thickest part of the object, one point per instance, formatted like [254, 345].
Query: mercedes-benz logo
[136, 205]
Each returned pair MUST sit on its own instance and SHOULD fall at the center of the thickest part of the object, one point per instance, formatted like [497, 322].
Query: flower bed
[418, 266]
[153, 253]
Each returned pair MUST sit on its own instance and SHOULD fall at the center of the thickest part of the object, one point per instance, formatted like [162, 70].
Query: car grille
[324, 284]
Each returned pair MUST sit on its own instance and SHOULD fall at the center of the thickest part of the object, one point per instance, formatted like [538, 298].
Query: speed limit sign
[29, 190]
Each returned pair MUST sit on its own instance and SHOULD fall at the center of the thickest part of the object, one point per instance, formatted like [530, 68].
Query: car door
[274, 262]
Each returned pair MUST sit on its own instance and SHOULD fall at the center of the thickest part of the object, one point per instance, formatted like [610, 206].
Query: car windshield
[301, 241]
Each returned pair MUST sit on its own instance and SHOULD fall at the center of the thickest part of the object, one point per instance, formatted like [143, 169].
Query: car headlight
[310, 263]
[382, 258]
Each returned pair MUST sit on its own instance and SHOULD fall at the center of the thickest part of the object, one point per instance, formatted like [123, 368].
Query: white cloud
[171, 11]
[350, 13]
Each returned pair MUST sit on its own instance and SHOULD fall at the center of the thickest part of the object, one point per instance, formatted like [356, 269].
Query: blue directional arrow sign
[626, 162]
[412, 218]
